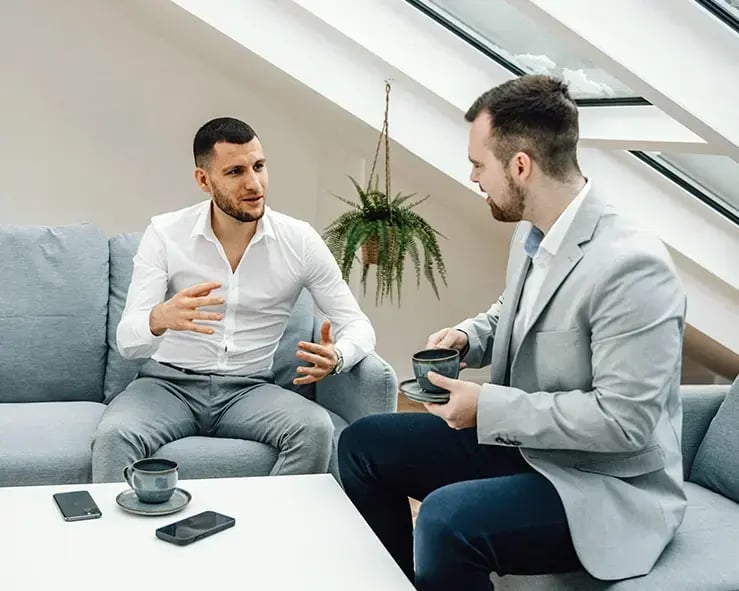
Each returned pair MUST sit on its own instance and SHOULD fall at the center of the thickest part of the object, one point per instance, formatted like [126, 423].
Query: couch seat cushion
[702, 557]
[47, 442]
[219, 457]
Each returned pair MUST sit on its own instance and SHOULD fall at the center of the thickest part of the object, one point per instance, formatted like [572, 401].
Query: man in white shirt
[212, 288]
[570, 457]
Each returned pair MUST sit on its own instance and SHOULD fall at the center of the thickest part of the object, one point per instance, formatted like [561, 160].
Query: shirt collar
[203, 227]
[552, 240]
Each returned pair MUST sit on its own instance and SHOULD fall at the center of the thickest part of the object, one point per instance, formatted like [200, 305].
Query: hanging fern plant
[387, 231]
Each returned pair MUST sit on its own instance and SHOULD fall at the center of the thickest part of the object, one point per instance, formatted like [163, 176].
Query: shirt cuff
[350, 352]
[140, 338]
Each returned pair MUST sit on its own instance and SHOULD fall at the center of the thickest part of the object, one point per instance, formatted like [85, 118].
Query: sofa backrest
[700, 403]
[53, 309]
[716, 463]
[120, 372]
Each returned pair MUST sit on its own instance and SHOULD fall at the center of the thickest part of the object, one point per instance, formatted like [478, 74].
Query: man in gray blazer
[570, 456]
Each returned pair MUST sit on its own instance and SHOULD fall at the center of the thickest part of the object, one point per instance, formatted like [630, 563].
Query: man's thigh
[150, 408]
[269, 413]
[416, 453]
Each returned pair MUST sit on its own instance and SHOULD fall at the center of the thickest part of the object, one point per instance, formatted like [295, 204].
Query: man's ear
[521, 165]
[201, 178]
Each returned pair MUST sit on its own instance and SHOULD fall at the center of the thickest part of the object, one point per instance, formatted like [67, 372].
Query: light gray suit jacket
[591, 396]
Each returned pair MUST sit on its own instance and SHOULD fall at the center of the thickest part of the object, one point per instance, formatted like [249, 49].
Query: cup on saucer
[154, 480]
[441, 361]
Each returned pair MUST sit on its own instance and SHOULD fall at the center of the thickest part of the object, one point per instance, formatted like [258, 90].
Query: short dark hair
[222, 129]
[534, 114]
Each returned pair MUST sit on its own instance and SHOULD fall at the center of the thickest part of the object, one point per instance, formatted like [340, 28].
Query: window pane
[517, 38]
[718, 176]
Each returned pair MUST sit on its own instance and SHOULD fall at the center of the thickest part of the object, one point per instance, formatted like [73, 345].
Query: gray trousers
[164, 404]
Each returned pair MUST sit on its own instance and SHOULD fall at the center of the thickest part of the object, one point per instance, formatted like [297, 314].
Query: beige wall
[99, 112]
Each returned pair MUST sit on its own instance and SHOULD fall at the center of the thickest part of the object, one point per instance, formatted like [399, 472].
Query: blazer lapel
[567, 257]
[504, 331]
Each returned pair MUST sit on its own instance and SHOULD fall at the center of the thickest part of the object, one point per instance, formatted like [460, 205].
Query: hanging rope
[384, 134]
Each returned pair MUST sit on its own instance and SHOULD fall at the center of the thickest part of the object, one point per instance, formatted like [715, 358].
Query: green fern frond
[400, 234]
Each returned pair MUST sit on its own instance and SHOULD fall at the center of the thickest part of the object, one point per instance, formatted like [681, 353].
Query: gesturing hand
[461, 410]
[181, 310]
[322, 355]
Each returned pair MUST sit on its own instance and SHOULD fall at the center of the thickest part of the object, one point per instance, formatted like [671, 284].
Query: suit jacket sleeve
[636, 315]
[481, 332]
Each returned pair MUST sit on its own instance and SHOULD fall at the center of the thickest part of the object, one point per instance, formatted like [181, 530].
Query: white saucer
[128, 501]
[413, 390]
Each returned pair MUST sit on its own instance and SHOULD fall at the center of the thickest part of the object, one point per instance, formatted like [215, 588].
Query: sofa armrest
[700, 404]
[370, 387]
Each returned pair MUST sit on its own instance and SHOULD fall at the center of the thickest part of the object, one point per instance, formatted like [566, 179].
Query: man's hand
[322, 355]
[448, 338]
[181, 310]
[461, 410]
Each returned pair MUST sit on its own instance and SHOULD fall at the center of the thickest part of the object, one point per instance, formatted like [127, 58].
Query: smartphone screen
[77, 505]
[195, 527]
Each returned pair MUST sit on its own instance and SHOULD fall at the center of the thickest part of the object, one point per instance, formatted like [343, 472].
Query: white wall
[99, 109]
[99, 112]
[343, 63]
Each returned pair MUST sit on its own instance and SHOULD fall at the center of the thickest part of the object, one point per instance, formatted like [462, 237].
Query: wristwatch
[339, 362]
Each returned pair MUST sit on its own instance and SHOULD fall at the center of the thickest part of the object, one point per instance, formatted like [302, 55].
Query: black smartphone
[77, 505]
[197, 527]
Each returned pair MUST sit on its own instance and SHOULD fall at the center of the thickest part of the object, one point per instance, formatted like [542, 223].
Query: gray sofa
[63, 292]
[704, 555]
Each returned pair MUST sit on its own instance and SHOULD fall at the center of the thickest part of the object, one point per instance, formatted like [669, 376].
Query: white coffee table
[292, 532]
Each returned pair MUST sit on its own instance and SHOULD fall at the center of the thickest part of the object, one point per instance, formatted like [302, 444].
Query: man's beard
[227, 207]
[513, 210]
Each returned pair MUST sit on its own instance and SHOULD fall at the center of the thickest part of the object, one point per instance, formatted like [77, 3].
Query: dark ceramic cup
[153, 480]
[441, 361]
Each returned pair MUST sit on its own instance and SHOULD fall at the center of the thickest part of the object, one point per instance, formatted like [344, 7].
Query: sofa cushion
[701, 557]
[219, 457]
[716, 465]
[299, 328]
[53, 310]
[119, 372]
[47, 442]
[700, 403]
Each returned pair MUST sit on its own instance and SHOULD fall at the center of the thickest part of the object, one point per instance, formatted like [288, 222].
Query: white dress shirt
[179, 250]
[542, 249]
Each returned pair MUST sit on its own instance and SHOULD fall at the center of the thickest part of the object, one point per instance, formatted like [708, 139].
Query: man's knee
[360, 435]
[317, 427]
[112, 432]
[436, 525]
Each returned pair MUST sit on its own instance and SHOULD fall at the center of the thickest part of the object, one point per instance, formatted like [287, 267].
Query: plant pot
[371, 251]
[371, 248]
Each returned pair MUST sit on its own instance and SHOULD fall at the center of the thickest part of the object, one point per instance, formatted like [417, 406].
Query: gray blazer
[591, 395]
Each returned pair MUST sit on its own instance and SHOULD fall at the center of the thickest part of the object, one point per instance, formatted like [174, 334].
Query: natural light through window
[518, 39]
